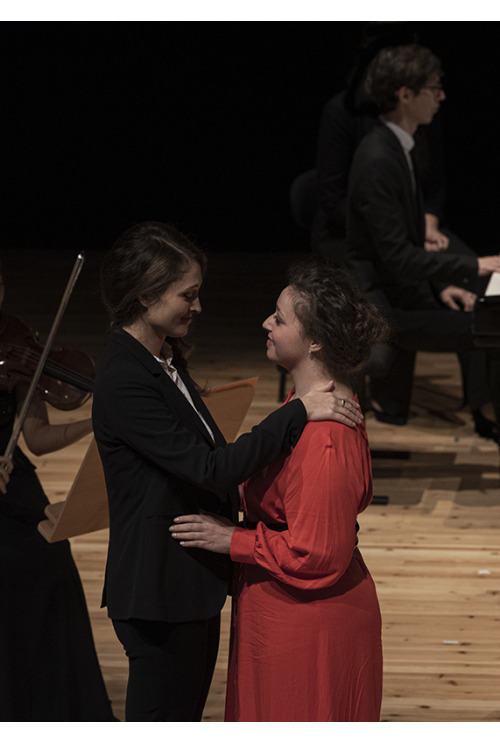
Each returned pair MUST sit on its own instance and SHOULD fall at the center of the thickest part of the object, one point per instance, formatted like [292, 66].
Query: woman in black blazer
[164, 456]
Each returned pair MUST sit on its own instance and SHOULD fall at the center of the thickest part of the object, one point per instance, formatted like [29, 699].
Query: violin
[66, 381]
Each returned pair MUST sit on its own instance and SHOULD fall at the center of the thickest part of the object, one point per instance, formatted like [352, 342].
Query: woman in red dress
[306, 628]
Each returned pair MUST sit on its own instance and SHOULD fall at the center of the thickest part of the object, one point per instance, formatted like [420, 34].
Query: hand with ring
[322, 404]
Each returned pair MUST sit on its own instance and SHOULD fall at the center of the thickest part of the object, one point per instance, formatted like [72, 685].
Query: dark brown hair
[335, 312]
[144, 261]
[394, 67]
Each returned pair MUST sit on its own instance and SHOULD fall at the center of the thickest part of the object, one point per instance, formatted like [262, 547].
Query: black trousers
[170, 667]
[435, 330]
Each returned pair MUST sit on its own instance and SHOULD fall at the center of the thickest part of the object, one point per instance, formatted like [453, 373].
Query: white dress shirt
[407, 143]
[172, 372]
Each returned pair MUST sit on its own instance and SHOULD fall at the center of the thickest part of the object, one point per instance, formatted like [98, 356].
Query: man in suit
[346, 119]
[428, 296]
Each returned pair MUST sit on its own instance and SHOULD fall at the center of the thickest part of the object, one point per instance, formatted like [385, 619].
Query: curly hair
[334, 311]
[394, 67]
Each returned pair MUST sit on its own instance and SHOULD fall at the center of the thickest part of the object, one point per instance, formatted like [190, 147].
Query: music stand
[86, 506]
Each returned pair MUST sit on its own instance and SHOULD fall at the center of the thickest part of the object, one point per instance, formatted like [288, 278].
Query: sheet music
[493, 288]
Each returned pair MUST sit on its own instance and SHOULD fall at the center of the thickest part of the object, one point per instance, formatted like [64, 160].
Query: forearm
[291, 559]
[154, 431]
[401, 259]
[40, 435]
[43, 438]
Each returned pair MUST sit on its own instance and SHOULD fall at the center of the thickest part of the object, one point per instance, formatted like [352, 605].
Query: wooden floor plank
[433, 550]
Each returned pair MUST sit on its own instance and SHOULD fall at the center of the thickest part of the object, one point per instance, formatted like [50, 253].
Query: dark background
[205, 124]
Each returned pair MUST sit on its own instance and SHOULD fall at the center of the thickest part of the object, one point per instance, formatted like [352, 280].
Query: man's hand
[489, 264]
[434, 239]
[457, 298]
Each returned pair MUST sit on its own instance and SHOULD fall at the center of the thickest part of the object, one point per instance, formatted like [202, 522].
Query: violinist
[49, 670]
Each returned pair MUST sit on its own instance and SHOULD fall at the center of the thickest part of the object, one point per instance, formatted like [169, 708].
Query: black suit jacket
[159, 461]
[347, 118]
[386, 229]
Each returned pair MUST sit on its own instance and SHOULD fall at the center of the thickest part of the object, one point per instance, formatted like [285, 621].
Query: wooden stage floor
[433, 550]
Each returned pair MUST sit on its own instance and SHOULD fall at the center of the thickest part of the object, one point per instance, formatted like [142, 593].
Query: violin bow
[18, 426]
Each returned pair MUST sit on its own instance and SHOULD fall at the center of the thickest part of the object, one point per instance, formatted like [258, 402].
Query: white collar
[406, 140]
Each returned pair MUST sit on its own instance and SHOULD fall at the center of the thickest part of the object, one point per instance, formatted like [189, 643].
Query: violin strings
[22, 352]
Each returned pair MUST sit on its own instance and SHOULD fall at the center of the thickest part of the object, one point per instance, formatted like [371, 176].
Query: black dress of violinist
[49, 670]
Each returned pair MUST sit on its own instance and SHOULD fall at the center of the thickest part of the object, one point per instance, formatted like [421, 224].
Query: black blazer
[346, 119]
[159, 461]
[386, 228]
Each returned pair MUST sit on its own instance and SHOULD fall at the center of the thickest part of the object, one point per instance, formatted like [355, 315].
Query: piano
[486, 320]
[486, 334]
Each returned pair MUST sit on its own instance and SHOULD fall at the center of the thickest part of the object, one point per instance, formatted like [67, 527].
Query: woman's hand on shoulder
[323, 404]
[202, 530]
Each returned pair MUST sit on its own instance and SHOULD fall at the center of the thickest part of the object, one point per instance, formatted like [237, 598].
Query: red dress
[306, 629]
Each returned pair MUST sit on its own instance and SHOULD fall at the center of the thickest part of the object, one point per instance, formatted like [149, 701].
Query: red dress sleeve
[325, 483]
